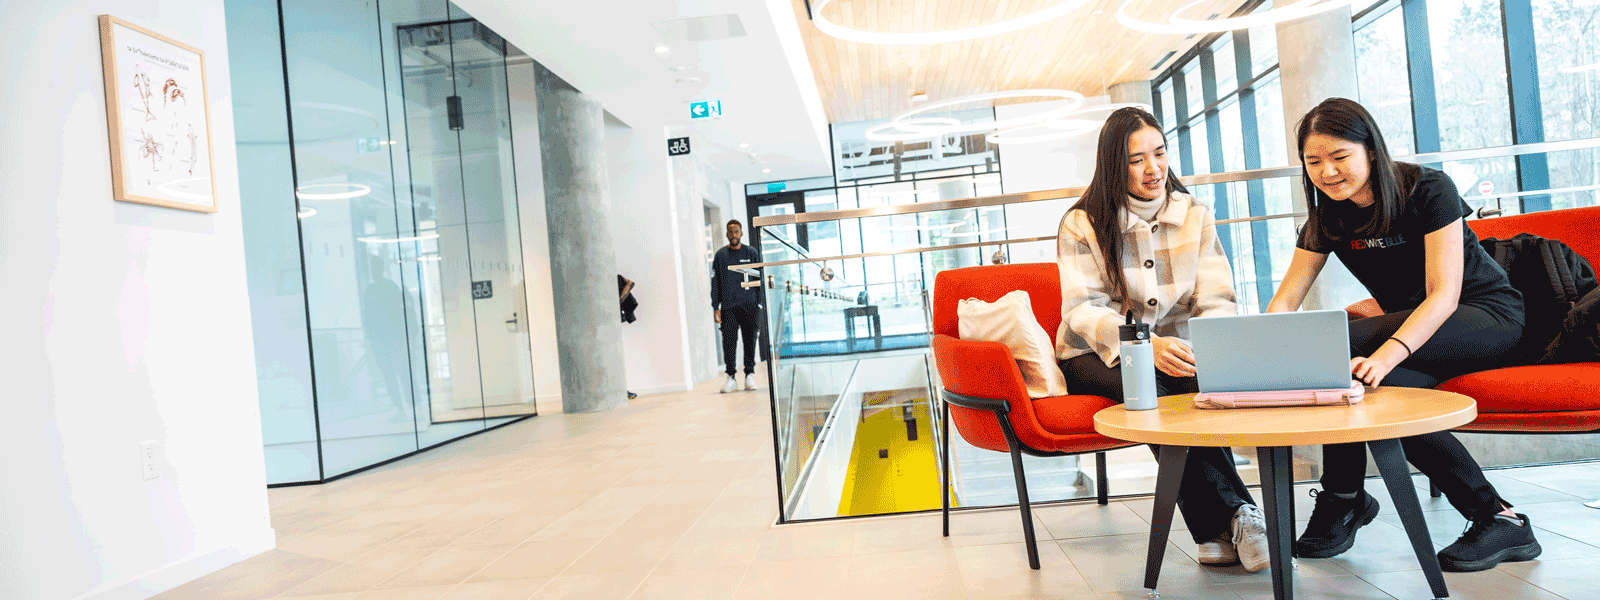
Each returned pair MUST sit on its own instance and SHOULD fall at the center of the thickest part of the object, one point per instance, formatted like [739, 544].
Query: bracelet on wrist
[1403, 344]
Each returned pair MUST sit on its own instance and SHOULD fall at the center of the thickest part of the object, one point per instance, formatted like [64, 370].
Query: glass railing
[851, 392]
[841, 378]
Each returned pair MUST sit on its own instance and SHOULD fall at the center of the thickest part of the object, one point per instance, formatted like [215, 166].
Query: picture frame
[159, 116]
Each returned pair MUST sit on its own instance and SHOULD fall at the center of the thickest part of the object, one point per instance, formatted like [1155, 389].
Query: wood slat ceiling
[1086, 51]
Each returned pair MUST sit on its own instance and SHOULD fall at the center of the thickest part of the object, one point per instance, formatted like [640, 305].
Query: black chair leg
[1022, 491]
[944, 451]
[1433, 490]
[1100, 480]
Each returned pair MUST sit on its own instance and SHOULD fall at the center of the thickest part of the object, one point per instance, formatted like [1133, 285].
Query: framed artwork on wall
[159, 118]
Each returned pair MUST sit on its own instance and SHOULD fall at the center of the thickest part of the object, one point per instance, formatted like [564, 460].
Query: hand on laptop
[1173, 356]
[1369, 371]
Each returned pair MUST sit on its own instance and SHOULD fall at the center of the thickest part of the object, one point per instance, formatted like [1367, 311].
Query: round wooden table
[1384, 415]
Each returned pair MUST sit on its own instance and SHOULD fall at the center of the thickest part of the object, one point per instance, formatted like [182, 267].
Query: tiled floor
[674, 497]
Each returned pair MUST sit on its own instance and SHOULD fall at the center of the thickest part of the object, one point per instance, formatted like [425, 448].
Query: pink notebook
[1333, 397]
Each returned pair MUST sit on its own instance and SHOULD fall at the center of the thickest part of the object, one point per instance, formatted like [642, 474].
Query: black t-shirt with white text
[725, 289]
[1394, 267]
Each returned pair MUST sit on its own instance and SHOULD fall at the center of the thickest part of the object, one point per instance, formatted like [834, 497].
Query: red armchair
[1534, 398]
[984, 392]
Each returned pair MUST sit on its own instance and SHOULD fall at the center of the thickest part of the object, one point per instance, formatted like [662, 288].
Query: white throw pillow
[1010, 321]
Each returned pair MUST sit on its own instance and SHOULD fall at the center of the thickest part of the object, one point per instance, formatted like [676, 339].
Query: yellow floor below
[906, 479]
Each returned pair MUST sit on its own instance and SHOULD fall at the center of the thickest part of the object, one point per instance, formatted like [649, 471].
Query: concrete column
[1317, 60]
[1131, 91]
[583, 262]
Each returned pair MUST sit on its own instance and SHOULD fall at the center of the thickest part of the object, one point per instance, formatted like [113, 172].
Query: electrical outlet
[147, 459]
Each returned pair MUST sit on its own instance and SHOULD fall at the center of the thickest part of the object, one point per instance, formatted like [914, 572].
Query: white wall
[1043, 166]
[128, 323]
[695, 185]
[645, 229]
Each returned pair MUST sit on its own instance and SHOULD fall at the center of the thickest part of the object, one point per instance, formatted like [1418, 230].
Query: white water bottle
[1138, 366]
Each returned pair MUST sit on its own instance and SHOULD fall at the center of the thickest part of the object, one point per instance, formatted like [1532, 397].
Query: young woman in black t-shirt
[1449, 310]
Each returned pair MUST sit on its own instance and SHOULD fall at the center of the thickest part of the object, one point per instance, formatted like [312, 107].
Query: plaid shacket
[1176, 260]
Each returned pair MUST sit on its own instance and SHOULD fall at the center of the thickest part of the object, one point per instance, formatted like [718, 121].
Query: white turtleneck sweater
[1145, 209]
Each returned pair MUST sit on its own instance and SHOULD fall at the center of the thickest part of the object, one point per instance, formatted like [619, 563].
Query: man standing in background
[737, 309]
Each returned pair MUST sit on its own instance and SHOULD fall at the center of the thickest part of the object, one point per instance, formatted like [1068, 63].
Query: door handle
[513, 322]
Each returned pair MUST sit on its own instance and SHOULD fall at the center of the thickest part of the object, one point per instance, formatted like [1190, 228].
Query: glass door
[458, 124]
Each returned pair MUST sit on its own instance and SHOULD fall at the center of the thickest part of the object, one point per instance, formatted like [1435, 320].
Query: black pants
[740, 322]
[1211, 489]
[1471, 339]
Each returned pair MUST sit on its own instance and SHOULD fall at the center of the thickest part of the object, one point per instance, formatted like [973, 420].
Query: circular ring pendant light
[936, 37]
[876, 132]
[345, 191]
[1178, 25]
[933, 127]
[905, 122]
[1065, 126]
[921, 128]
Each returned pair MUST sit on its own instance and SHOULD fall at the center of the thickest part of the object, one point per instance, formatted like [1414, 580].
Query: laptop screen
[1272, 352]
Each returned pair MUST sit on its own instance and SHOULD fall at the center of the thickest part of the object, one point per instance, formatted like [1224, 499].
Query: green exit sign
[705, 109]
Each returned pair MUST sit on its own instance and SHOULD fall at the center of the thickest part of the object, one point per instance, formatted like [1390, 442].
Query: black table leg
[1391, 461]
[1169, 473]
[1277, 490]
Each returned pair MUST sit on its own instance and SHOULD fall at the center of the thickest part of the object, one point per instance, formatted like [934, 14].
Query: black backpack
[1552, 278]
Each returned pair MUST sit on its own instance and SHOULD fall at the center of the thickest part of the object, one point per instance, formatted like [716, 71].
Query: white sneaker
[731, 386]
[749, 381]
[1219, 551]
[1250, 538]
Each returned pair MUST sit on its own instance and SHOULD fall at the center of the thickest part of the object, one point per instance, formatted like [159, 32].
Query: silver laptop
[1270, 352]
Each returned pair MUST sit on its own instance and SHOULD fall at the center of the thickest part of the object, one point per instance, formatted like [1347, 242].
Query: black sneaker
[1333, 525]
[1489, 542]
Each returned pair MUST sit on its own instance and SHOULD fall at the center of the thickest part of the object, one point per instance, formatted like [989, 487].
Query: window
[1169, 116]
[1569, 67]
[1199, 150]
[1263, 46]
[1469, 66]
[1227, 71]
[1194, 95]
[1269, 123]
[1383, 79]
[1469, 77]
[1569, 90]
[1232, 138]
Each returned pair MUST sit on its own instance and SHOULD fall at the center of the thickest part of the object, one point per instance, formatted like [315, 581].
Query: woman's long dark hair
[1107, 195]
[1390, 181]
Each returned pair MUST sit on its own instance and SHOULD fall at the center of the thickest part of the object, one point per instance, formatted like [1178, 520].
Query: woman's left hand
[1370, 370]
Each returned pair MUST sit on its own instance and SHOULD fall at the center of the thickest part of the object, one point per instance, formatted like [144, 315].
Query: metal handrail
[1205, 179]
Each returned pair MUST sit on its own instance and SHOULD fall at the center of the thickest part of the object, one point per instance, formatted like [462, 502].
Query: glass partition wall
[400, 189]
[833, 446]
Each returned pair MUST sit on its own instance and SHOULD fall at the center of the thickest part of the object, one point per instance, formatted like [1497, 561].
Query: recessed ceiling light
[906, 55]
[766, 170]
[688, 80]
[1098, 12]
[662, 48]
[678, 69]
[1005, 47]
[919, 97]
[744, 145]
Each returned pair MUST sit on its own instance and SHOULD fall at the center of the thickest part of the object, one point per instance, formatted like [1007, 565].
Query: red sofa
[1537, 398]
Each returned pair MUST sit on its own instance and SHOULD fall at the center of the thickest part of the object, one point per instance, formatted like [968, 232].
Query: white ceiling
[607, 48]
